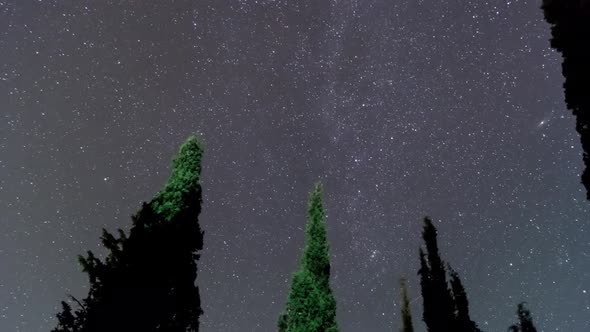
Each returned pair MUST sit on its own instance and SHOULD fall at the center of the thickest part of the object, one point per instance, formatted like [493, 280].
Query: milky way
[402, 109]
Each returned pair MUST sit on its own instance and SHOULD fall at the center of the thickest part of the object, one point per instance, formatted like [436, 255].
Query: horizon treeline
[147, 282]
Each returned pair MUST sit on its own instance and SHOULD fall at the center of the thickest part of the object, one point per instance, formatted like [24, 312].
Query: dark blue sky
[451, 109]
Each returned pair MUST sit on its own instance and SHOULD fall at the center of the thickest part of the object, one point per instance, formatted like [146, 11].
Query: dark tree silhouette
[439, 309]
[407, 325]
[67, 320]
[570, 30]
[147, 281]
[311, 306]
[464, 322]
[444, 309]
[428, 308]
[525, 320]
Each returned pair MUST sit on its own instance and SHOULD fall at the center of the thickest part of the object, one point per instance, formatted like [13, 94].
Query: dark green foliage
[311, 306]
[439, 309]
[464, 322]
[525, 320]
[570, 30]
[147, 281]
[316, 256]
[407, 325]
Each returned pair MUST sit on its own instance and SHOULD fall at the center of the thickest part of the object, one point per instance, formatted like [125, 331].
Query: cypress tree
[67, 321]
[439, 309]
[311, 306]
[147, 281]
[426, 287]
[570, 30]
[525, 320]
[407, 325]
[464, 322]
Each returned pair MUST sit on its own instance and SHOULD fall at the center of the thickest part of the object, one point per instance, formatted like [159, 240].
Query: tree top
[186, 173]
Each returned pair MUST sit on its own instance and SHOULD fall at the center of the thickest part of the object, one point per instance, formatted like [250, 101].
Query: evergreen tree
[147, 281]
[464, 322]
[67, 321]
[428, 310]
[407, 325]
[439, 309]
[311, 306]
[570, 30]
[525, 320]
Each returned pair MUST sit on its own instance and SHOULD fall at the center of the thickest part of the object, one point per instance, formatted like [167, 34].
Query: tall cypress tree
[525, 320]
[444, 309]
[439, 309]
[464, 322]
[407, 325]
[147, 281]
[311, 306]
[428, 308]
[570, 30]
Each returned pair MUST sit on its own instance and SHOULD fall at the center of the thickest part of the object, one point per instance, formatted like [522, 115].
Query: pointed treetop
[439, 310]
[315, 207]
[428, 227]
[316, 253]
[429, 235]
[311, 306]
[318, 187]
[407, 325]
[315, 196]
[525, 320]
[186, 173]
[434, 262]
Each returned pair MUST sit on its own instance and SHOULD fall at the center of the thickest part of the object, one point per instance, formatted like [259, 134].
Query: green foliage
[316, 257]
[407, 325]
[311, 306]
[186, 172]
[147, 281]
[311, 309]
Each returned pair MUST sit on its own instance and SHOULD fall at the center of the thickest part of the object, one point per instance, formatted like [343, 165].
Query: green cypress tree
[439, 309]
[147, 281]
[311, 306]
[464, 322]
[525, 320]
[407, 325]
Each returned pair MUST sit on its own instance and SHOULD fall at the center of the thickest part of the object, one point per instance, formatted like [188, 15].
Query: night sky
[452, 109]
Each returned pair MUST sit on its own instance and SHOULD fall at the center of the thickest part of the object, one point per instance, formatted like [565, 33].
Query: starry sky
[452, 109]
